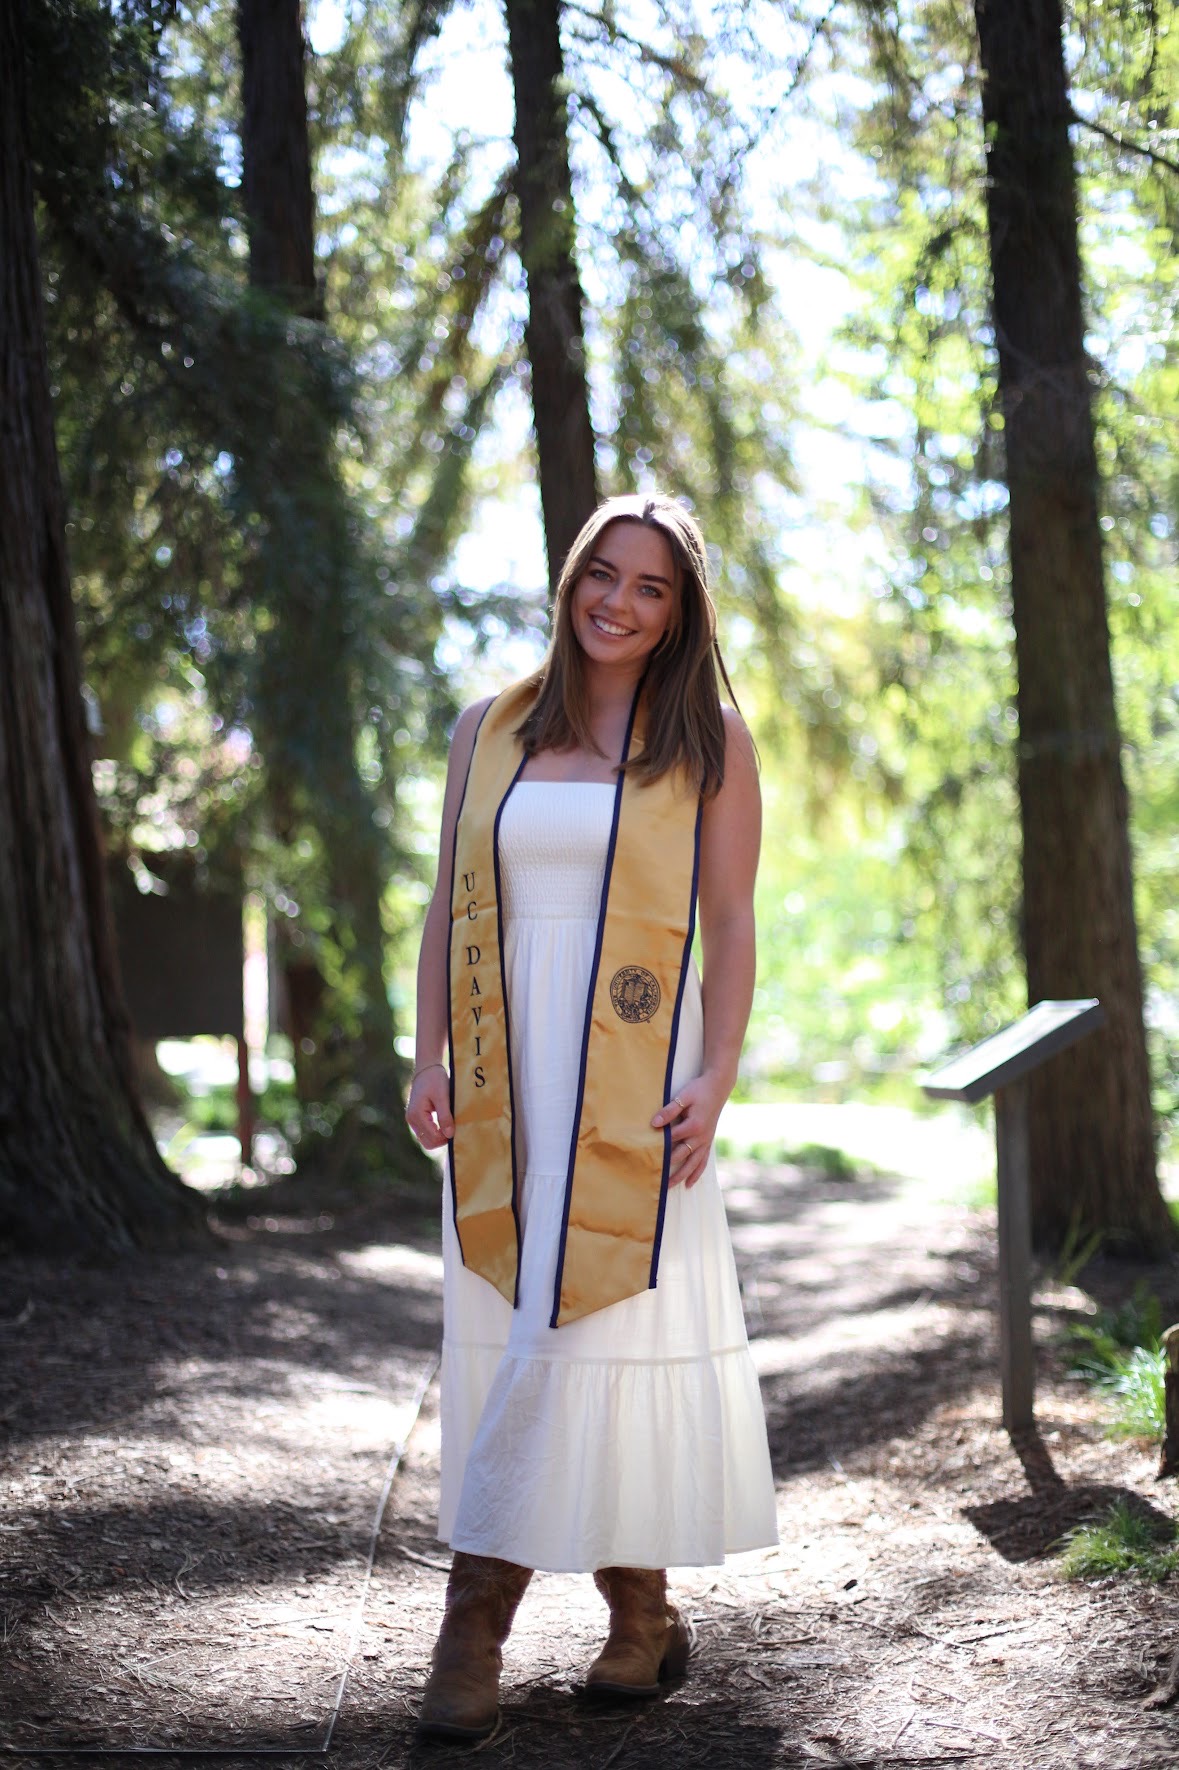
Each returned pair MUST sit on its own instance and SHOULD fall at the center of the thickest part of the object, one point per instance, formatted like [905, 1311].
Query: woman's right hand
[428, 1113]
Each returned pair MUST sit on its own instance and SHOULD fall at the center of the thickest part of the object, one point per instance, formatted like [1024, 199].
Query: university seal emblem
[634, 993]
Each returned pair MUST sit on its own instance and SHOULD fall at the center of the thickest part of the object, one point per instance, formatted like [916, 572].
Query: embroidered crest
[635, 994]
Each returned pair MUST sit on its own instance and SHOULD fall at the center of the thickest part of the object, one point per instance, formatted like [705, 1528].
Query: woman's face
[626, 598]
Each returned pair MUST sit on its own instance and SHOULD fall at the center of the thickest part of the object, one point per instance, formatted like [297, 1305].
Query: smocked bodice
[553, 837]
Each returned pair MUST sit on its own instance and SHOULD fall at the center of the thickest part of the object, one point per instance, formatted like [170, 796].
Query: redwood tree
[553, 337]
[78, 1166]
[1093, 1157]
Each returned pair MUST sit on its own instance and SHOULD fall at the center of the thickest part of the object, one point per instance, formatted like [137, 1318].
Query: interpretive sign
[1000, 1066]
[1048, 1028]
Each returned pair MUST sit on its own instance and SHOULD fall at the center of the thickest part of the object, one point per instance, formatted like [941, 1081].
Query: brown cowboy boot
[461, 1699]
[648, 1640]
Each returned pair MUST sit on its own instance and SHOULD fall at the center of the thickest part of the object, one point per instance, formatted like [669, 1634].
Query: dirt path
[194, 1451]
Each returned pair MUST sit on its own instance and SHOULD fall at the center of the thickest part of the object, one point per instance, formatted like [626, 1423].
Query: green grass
[831, 1163]
[1119, 1351]
[1124, 1542]
[822, 1159]
[1137, 1392]
[1078, 1249]
[817, 1158]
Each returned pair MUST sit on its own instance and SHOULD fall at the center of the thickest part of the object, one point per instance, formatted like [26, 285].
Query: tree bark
[553, 336]
[276, 153]
[1092, 1134]
[308, 669]
[78, 1165]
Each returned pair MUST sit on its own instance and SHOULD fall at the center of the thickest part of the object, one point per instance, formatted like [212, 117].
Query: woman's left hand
[692, 1115]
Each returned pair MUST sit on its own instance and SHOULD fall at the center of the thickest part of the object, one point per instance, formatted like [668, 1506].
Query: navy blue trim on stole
[503, 989]
[675, 1033]
[449, 993]
[589, 1005]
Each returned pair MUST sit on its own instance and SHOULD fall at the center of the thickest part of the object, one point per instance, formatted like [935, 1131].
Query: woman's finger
[688, 1154]
[668, 1114]
[689, 1168]
[430, 1136]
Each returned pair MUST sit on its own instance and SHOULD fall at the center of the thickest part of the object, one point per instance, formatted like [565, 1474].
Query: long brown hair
[681, 688]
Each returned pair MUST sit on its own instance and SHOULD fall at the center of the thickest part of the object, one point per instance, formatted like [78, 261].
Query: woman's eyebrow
[652, 577]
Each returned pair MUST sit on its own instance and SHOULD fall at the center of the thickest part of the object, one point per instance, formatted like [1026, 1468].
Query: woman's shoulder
[738, 737]
[468, 720]
[466, 730]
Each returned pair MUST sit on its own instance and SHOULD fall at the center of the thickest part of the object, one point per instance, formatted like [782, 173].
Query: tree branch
[1124, 142]
[674, 65]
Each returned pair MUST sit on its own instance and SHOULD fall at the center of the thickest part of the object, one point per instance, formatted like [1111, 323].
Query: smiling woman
[632, 605]
[600, 1411]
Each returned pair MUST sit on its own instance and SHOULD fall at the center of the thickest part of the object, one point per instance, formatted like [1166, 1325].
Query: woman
[600, 1407]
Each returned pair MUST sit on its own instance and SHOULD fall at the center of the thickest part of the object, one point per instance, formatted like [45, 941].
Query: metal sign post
[1000, 1066]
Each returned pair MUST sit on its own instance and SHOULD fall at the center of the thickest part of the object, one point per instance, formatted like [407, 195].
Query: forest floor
[194, 1450]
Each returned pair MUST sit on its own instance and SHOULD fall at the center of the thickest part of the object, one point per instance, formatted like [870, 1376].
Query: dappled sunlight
[194, 1514]
[812, 1355]
[395, 1264]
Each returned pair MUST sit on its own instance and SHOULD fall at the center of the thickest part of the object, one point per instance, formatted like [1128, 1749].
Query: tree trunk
[78, 1166]
[276, 153]
[548, 233]
[1092, 1134]
[308, 669]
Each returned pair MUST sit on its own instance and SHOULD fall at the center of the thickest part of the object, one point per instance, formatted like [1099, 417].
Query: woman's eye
[651, 590]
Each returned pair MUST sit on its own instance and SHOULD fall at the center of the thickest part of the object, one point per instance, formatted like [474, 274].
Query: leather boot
[648, 1640]
[461, 1699]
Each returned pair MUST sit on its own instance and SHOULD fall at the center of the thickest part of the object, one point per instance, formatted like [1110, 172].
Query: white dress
[635, 1436]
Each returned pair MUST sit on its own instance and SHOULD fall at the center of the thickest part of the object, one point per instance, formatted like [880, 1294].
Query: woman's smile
[611, 627]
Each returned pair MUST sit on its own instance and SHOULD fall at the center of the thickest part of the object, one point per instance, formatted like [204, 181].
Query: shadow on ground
[1032, 1525]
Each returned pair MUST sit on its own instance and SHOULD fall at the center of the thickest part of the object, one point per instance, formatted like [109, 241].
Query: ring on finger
[691, 1149]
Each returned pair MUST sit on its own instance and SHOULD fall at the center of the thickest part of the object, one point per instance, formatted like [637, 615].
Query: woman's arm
[730, 841]
[428, 1112]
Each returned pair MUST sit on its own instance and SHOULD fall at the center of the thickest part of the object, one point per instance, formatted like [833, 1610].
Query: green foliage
[1138, 1395]
[888, 896]
[945, 716]
[1136, 1322]
[256, 668]
[1119, 1350]
[828, 1162]
[822, 1160]
[1076, 1251]
[923, 353]
[981, 1194]
[215, 1110]
[1127, 1541]
[847, 972]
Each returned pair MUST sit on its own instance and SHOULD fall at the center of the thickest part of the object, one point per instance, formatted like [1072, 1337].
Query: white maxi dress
[633, 1437]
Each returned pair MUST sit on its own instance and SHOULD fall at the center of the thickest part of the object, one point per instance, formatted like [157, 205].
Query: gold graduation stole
[616, 1186]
